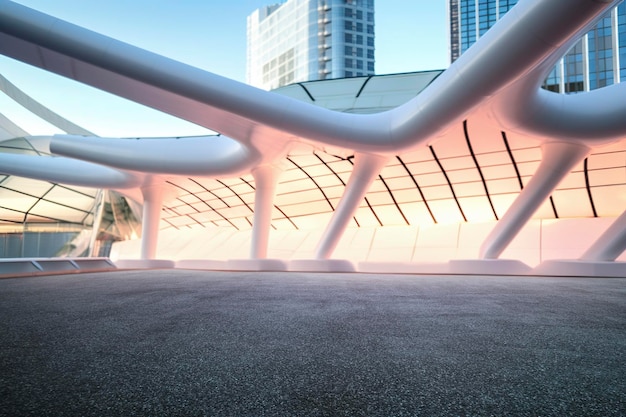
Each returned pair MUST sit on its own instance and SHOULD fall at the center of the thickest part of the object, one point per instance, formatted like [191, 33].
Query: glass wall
[45, 219]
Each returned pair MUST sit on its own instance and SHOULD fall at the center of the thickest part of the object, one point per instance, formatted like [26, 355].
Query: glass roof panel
[609, 201]
[423, 167]
[306, 208]
[296, 197]
[235, 212]
[456, 163]
[70, 197]
[16, 201]
[464, 176]
[401, 183]
[469, 189]
[417, 213]
[610, 176]
[573, 180]
[379, 198]
[498, 172]
[572, 203]
[366, 218]
[440, 192]
[527, 155]
[9, 215]
[527, 169]
[347, 87]
[185, 209]
[502, 202]
[477, 209]
[58, 212]
[445, 211]
[503, 186]
[493, 159]
[330, 180]
[389, 215]
[409, 195]
[27, 186]
[393, 170]
[429, 180]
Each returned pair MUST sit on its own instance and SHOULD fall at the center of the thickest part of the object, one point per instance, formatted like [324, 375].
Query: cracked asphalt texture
[199, 343]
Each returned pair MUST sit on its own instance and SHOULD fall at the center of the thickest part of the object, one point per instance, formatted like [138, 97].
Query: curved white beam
[39, 109]
[594, 118]
[202, 156]
[67, 171]
[533, 32]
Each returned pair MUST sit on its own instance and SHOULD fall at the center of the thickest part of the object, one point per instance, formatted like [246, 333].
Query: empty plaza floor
[202, 343]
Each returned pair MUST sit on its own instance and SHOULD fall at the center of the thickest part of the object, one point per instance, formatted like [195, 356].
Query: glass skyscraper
[597, 60]
[306, 40]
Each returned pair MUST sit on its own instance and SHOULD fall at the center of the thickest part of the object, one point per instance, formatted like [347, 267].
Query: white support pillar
[152, 205]
[265, 180]
[610, 245]
[366, 168]
[559, 158]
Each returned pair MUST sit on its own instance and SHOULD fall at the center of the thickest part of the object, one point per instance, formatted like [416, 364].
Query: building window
[348, 38]
[370, 41]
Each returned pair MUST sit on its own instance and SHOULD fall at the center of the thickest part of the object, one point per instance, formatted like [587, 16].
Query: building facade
[306, 40]
[597, 60]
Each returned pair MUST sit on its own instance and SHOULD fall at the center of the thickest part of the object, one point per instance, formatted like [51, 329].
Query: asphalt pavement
[199, 343]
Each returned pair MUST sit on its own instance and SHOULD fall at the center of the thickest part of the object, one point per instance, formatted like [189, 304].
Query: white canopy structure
[491, 96]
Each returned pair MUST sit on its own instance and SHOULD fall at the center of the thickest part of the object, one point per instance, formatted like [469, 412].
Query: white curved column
[558, 160]
[610, 245]
[152, 204]
[366, 168]
[265, 180]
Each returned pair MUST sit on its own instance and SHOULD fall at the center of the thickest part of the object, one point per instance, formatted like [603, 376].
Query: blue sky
[410, 36]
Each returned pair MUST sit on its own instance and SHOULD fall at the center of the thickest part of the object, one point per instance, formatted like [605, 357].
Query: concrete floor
[196, 343]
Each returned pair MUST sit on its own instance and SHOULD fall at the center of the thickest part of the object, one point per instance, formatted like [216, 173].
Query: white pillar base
[321, 265]
[580, 268]
[260, 265]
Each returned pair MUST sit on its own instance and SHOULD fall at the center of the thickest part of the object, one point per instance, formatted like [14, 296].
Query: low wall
[540, 240]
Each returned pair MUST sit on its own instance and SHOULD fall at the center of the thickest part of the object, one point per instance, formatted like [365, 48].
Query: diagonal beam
[366, 168]
[610, 245]
[558, 160]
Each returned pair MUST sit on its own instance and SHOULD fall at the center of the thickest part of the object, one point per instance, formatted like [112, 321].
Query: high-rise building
[597, 60]
[306, 40]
